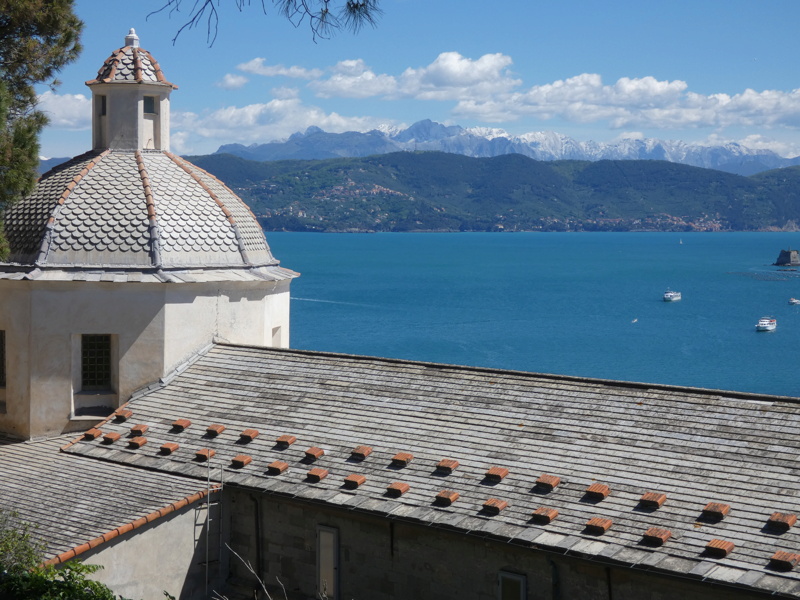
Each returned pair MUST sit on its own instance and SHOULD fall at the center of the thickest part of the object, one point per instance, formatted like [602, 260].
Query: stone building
[138, 287]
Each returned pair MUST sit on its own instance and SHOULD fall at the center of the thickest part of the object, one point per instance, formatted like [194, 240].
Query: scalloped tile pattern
[104, 219]
[121, 66]
[26, 220]
[192, 225]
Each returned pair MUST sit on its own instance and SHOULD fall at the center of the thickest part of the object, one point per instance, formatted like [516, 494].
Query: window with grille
[96, 362]
[2, 359]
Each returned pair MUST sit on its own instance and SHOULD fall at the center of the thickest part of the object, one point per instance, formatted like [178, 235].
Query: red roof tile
[241, 460]
[315, 453]
[719, 548]
[361, 452]
[277, 467]
[397, 488]
[448, 465]
[599, 525]
[652, 499]
[598, 490]
[317, 474]
[248, 435]
[401, 459]
[544, 515]
[354, 480]
[548, 482]
[205, 454]
[285, 440]
[493, 506]
[496, 474]
[181, 424]
[215, 429]
[656, 536]
[446, 497]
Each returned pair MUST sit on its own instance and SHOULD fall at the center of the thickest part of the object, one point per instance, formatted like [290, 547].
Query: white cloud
[67, 111]
[232, 81]
[353, 79]
[260, 123]
[257, 67]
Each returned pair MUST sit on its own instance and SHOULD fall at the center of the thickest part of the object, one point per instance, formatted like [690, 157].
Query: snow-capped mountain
[315, 143]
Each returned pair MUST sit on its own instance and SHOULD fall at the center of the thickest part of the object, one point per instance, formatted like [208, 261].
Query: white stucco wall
[154, 328]
[165, 555]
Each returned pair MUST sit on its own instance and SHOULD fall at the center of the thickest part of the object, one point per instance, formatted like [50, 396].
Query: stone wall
[381, 559]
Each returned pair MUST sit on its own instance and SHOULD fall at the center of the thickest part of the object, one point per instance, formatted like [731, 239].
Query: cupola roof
[131, 64]
[128, 209]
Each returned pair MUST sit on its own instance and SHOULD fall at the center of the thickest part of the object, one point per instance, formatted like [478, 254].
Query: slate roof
[140, 211]
[131, 64]
[76, 501]
[505, 430]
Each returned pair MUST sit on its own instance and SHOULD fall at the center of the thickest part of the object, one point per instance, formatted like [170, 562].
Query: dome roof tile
[127, 208]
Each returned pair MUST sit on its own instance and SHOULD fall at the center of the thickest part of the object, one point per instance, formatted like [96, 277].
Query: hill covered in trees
[435, 191]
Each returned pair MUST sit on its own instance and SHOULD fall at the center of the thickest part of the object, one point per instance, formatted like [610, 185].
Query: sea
[584, 304]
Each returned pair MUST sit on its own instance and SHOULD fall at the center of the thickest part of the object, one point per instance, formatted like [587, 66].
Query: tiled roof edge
[721, 394]
[122, 529]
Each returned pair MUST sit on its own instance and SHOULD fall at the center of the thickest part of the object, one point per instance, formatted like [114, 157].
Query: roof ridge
[153, 228]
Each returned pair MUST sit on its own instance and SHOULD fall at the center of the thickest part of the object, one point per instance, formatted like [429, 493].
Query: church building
[155, 422]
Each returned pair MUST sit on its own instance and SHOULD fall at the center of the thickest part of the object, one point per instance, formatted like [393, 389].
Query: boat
[766, 324]
[670, 296]
[794, 301]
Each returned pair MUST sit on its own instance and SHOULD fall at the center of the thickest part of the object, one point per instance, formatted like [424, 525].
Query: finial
[132, 39]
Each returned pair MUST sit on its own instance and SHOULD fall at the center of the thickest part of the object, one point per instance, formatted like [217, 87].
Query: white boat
[670, 296]
[794, 301]
[766, 324]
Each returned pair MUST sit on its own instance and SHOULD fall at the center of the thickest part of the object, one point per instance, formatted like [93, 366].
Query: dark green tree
[37, 38]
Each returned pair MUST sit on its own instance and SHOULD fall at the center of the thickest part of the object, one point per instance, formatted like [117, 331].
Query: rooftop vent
[652, 499]
[447, 465]
[496, 474]
[544, 515]
[181, 424]
[715, 511]
[598, 491]
[92, 434]
[137, 442]
[111, 437]
[169, 448]
[548, 482]
[361, 452]
[354, 480]
[598, 525]
[205, 454]
[241, 460]
[139, 429]
[315, 453]
[446, 497]
[284, 441]
[278, 467]
[401, 459]
[784, 561]
[317, 474]
[781, 521]
[122, 414]
[493, 506]
[397, 488]
[248, 435]
[719, 548]
[215, 429]
[656, 536]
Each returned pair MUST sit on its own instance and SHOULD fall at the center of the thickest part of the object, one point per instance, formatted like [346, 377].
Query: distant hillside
[482, 142]
[436, 191]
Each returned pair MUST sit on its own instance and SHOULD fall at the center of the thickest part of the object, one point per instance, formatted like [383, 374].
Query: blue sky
[711, 71]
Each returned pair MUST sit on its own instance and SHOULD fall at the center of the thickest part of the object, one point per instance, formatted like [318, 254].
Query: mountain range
[483, 142]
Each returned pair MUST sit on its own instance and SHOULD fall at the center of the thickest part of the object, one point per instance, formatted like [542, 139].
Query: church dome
[129, 205]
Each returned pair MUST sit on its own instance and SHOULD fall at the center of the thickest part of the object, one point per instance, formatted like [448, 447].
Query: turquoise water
[586, 304]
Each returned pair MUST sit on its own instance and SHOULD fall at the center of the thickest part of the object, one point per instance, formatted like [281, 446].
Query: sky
[707, 72]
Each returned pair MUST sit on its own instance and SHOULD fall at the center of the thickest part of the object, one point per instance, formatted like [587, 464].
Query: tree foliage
[37, 38]
[23, 578]
[324, 17]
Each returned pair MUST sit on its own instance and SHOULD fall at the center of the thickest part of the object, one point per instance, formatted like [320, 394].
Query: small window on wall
[95, 362]
[149, 105]
[327, 563]
[511, 586]
[2, 359]
[102, 107]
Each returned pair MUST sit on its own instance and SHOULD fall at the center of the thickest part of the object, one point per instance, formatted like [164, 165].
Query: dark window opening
[150, 105]
[101, 106]
[96, 362]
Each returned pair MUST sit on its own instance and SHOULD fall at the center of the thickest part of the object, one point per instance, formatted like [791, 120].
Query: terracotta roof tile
[137, 442]
[782, 521]
[496, 474]
[92, 434]
[361, 452]
[169, 448]
[397, 488]
[446, 497]
[285, 440]
[241, 460]
[656, 536]
[181, 424]
[111, 437]
[784, 561]
[599, 525]
[401, 459]
[205, 454]
[317, 474]
[354, 480]
[277, 467]
[548, 482]
[493, 506]
[652, 499]
[314, 453]
[544, 515]
[599, 491]
[447, 465]
[248, 435]
[719, 548]
[715, 511]
[215, 429]
[139, 429]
